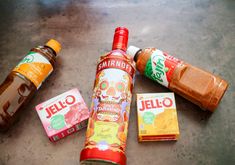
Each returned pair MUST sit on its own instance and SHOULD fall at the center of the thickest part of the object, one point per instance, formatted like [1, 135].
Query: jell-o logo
[54, 108]
[156, 103]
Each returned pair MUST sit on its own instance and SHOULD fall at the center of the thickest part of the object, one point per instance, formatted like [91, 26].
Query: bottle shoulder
[116, 54]
[46, 52]
[142, 59]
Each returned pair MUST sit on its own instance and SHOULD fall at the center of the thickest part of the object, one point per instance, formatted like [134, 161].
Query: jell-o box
[157, 117]
[63, 115]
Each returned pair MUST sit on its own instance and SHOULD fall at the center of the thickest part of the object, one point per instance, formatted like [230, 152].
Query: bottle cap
[55, 45]
[132, 51]
[120, 38]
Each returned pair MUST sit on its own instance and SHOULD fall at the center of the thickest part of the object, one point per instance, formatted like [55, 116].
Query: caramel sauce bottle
[198, 86]
[24, 80]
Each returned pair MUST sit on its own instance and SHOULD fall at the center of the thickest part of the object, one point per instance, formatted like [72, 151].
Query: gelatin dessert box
[63, 115]
[157, 117]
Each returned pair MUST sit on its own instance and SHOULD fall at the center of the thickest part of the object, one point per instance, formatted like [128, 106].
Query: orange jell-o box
[157, 117]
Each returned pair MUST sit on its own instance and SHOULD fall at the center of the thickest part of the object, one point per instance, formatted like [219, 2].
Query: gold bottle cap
[55, 45]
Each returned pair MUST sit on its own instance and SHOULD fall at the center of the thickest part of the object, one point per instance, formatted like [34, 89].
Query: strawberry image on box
[63, 115]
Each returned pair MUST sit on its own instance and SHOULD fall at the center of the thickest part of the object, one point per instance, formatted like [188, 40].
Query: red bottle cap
[120, 38]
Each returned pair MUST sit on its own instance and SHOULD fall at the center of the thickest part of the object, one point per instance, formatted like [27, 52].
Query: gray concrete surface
[199, 32]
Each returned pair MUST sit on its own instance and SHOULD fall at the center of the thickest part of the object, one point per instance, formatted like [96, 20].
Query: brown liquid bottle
[24, 80]
[198, 86]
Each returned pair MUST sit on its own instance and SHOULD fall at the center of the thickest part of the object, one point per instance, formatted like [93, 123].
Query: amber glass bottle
[24, 80]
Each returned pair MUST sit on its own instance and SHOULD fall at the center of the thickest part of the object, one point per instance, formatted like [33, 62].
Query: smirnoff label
[117, 63]
[110, 109]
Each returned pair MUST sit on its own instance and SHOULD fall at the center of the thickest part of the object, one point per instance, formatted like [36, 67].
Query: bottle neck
[120, 39]
[50, 50]
[119, 42]
[137, 55]
[47, 52]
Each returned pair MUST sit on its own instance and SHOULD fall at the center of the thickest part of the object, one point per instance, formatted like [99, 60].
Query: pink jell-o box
[63, 115]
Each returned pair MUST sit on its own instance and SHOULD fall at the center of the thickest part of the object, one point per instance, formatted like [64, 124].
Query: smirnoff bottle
[108, 124]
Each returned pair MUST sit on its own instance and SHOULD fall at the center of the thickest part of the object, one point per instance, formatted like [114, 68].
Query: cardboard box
[63, 115]
[157, 117]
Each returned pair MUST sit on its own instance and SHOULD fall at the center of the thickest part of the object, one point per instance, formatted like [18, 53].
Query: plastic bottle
[108, 123]
[200, 87]
[24, 80]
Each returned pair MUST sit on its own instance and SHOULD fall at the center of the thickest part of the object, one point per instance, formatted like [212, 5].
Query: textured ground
[200, 32]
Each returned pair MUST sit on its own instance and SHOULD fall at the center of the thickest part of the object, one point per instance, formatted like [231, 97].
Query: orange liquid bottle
[198, 86]
[108, 123]
[24, 80]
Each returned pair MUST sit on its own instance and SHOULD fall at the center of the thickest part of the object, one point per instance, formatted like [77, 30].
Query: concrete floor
[199, 32]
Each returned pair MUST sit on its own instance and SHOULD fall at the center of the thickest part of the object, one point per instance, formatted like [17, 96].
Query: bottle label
[110, 109]
[35, 67]
[160, 67]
